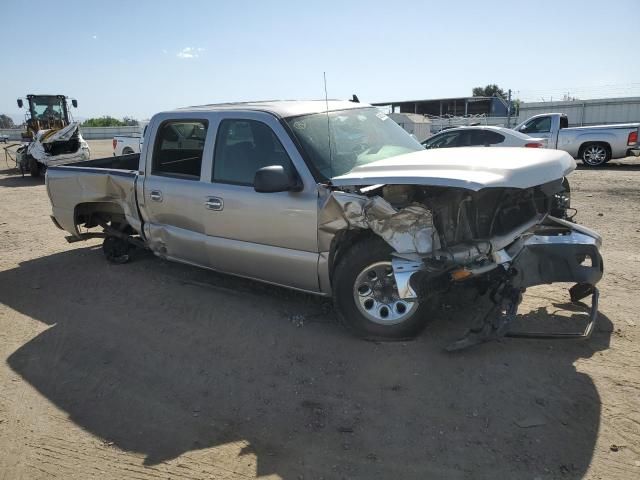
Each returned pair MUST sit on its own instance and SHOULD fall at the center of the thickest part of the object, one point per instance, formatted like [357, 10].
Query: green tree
[491, 90]
[130, 122]
[105, 121]
[6, 121]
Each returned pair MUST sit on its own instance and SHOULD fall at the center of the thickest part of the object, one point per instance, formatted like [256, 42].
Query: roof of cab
[280, 108]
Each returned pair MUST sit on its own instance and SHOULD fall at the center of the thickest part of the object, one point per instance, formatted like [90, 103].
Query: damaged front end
[501, 240]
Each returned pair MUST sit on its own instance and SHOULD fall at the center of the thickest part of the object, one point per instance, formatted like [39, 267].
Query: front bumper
[551, 251]
[558, 251]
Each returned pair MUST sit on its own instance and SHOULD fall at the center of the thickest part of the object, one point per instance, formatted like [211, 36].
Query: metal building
[456, 107]
[417, 125]
[587, 112]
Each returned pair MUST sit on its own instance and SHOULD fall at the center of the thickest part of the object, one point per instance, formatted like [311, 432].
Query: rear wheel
[366, 295]
[116, 250]
[127, 151]
[595, 154]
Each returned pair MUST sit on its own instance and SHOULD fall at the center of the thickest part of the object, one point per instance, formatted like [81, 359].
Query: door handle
[214, 203]
[156, 195]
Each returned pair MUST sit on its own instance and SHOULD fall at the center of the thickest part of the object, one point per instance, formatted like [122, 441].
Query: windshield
[357, 137]
[47, 108]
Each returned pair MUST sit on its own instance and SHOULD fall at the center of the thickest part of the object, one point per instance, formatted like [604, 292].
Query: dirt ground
[157, 370]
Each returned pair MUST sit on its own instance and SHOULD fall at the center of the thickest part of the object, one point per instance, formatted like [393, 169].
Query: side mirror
[19, 103]
[273, 179]
[74, 102]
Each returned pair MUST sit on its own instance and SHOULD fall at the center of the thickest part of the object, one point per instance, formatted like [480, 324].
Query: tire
[34, 167]
[595, 154]
[116, 250]
[362, 300]
[127, 151]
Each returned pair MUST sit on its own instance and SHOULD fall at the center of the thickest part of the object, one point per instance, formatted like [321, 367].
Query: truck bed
[122, 162]
[104, 184]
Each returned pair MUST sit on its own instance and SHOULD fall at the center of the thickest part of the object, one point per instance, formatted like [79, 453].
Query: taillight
[115, 142]
[534, 145]
[633, 138]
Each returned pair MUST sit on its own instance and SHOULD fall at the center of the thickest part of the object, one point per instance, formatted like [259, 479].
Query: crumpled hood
[473, 168]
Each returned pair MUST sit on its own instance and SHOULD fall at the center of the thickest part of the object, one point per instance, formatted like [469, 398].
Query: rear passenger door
[173, 192]
[267, 236]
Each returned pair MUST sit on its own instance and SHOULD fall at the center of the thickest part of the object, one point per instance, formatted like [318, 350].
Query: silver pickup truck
[337, 200]
[594, 145]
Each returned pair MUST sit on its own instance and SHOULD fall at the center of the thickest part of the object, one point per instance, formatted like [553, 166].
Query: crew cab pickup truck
[594, 145]
[336, 199]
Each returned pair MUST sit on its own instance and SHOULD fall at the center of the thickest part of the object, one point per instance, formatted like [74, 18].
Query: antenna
[326, 102]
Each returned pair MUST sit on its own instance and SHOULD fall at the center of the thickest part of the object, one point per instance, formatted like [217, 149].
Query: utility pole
[509, 110]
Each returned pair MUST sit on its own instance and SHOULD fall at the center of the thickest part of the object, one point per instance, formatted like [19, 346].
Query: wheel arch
[342, 242]
[92, 214]
[585, 142]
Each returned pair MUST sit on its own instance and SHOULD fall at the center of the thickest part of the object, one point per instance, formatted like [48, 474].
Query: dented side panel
[67, 190]
[409, 230]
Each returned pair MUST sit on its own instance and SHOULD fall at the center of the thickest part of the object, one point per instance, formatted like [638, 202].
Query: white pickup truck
[127, 144]
[594, 145]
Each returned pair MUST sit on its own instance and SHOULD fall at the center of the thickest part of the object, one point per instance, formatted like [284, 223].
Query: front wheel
[366, 296]
[34, 167]
[595, 154]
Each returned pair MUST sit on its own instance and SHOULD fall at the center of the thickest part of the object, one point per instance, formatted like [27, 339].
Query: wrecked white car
[53, 147]
[336, 199]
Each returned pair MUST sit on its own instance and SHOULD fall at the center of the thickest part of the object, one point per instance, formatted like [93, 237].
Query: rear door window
[492, 138]
[443, 140]
[178, 148]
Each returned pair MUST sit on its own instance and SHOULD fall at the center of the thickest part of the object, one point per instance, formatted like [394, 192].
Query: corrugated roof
[451, 99]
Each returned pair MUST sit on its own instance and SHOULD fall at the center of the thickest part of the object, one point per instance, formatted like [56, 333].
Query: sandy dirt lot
[157, 370]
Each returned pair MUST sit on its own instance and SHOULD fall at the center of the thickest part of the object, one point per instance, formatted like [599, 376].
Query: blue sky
[136, 58]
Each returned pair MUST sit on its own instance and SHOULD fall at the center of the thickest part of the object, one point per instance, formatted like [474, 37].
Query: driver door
[266, 236]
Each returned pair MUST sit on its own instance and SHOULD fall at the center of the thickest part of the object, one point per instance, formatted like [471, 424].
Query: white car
[487, 136]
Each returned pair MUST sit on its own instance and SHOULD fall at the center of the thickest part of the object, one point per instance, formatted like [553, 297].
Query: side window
[478, 138]
[178, 148]
[539, 125]
[464, 139]
[492, 138]
[242, 148]
[443, 140]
